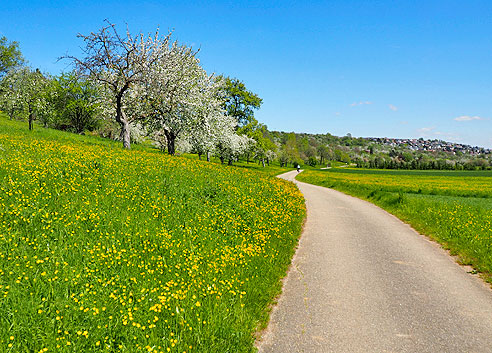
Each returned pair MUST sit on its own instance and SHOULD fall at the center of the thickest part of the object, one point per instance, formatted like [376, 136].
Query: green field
[454, 208]
[103, 249]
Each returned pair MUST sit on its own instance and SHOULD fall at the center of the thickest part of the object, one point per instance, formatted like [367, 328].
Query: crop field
[454, 208]
[107, 250]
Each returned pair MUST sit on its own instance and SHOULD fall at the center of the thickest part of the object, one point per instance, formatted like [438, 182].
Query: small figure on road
[298, 168]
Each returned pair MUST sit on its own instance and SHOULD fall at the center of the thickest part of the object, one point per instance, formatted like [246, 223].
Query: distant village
[379, 152]
[431, 145]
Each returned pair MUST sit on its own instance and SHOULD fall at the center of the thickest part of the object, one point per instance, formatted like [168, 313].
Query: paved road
[363, 281]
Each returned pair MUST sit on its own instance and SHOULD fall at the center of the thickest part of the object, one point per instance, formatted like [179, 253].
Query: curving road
[363, 281]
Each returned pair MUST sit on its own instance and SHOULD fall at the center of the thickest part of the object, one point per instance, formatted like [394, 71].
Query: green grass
[107, 250]
[400, 172]
[453, 208]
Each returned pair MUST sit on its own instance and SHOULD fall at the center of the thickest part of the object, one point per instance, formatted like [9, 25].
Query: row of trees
[147, 85]
[150, 87]
[422, 162]
[64, 102]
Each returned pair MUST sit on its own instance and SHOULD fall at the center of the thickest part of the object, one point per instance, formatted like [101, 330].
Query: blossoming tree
[120, 64]
[181, 99]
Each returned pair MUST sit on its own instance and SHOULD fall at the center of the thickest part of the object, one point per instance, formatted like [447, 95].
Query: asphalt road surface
[363, 281]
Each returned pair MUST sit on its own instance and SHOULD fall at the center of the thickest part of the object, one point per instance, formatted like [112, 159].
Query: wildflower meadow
[109, 250]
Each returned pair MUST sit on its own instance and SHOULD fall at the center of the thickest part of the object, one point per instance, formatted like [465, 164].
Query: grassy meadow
[108, 250]
[454, 208]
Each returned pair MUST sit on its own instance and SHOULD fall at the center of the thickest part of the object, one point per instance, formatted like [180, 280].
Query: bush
[312, 161]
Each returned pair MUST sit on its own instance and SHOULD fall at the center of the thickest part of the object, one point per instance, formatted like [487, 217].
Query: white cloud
[449, 135]
[425, 130]
[360, 103]
[392, 107]
[468, 118]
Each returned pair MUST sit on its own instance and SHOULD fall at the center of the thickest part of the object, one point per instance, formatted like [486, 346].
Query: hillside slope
[103, 249]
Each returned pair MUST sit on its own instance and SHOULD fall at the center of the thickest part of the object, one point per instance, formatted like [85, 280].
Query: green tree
[406, 156]
[312, 161]
[303, 145]
[10, 55]
[239, 102]
[342, 156]
[262, 144]
[323, 153]
[76, 102]
[291, 149]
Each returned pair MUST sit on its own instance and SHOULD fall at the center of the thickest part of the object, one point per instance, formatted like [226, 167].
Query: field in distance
[104, 249]
[452, 207]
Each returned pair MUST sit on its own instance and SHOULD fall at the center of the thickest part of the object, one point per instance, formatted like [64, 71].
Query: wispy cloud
[392, 107]
[426, 131]
[468, 118]
[360, 103]
[404, 122]
[449, 135]
[337, 113]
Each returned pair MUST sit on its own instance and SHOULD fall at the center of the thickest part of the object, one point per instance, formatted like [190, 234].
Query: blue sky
[371, 68]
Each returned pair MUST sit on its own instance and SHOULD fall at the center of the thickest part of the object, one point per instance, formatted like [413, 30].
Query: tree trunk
[221, 160]
[31, 118]
[125, 133]
[229, 162]
[78, 124]
[123, 121]
[208, 156]
[247, 158]
[263, 162]
[171, 142]
[200, 156]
